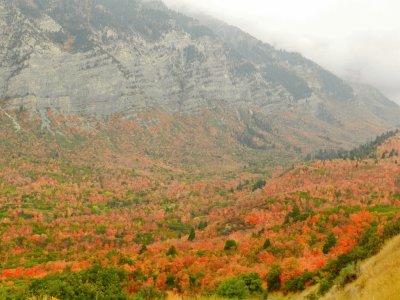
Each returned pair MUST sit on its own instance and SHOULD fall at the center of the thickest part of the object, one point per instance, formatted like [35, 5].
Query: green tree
[149, 293]
[267, 244]
[170, 283]
[233, 288]
[93, 283]
[192, 234]
[253, 282]
[230, 245]
[329, 243]
[172, 251]
[274, 278]
[348, 274]
[298, 283]
[259, 184]
[294, 215]
[143, 249]
[202, 225]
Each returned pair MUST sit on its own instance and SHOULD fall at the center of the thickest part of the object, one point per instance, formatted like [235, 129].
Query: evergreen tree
[330, 243]
[192, 234]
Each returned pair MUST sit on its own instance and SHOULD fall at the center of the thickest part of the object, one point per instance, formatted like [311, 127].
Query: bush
[202, 225]
[170, 282]
[143, 249]
[94, 283]
[329, 244]
[230, 245]
[253, 282]
[267, 244]
[334, 266]
[324, 286]
[371, 241]
[312, 296]
[298, 283]
[149, 293]
[348, 274]
[101, 229]
[192, 234]
[392, 229]
[172, 251]
[264, 294]
[233, 288]
[274, 279]
[259, 184]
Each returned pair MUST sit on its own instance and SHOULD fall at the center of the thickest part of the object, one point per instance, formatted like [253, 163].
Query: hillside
[379, 277]
[63, 210]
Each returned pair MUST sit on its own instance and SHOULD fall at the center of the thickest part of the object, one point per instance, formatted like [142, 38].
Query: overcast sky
[358, 40]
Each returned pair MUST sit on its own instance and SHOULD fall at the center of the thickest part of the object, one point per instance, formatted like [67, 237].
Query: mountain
[145, 153]
[134, 59]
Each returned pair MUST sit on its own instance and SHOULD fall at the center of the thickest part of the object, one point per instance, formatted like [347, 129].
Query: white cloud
[356, 39]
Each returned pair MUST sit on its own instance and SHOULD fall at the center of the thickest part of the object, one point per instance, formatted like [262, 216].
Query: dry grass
[379, 280]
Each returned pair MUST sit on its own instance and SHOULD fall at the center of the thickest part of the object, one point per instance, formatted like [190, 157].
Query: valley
[80, 199]
[145, 154]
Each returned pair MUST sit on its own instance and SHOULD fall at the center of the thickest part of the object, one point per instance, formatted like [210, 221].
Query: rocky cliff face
[101, 57]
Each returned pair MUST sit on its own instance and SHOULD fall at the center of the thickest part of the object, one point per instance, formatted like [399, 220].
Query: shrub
[94, 283]
[233, 288]
[348, 274]
[149, 293]
[170, 282]
[202, 225]
[192, 234]
[274, 278]
[230, 245]
[253, 282]
[329, 244]
[267, 243]
[101, 229]
[298, 283]
[324, 286]
[172, 251]
[371, 241]
[391, 229]
[194, 281]
[312, 296]
[264, 294]
[143, 249]
[259, 184]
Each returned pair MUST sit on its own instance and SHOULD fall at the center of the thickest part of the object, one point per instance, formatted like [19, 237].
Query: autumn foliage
[72, 201]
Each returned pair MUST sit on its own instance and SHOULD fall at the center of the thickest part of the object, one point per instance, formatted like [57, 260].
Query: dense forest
[367, 150]
[74, 227]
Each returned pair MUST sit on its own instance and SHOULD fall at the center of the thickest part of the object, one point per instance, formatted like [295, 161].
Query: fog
[358, 40]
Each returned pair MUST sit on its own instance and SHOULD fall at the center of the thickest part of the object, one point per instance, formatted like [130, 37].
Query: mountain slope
[101, 58]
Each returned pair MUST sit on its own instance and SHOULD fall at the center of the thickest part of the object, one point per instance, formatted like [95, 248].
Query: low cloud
[355, 39]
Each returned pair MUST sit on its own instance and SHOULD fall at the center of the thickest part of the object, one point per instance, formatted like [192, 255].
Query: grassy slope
[379, 279]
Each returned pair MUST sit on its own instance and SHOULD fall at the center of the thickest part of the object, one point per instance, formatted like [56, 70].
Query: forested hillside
[74, 206]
